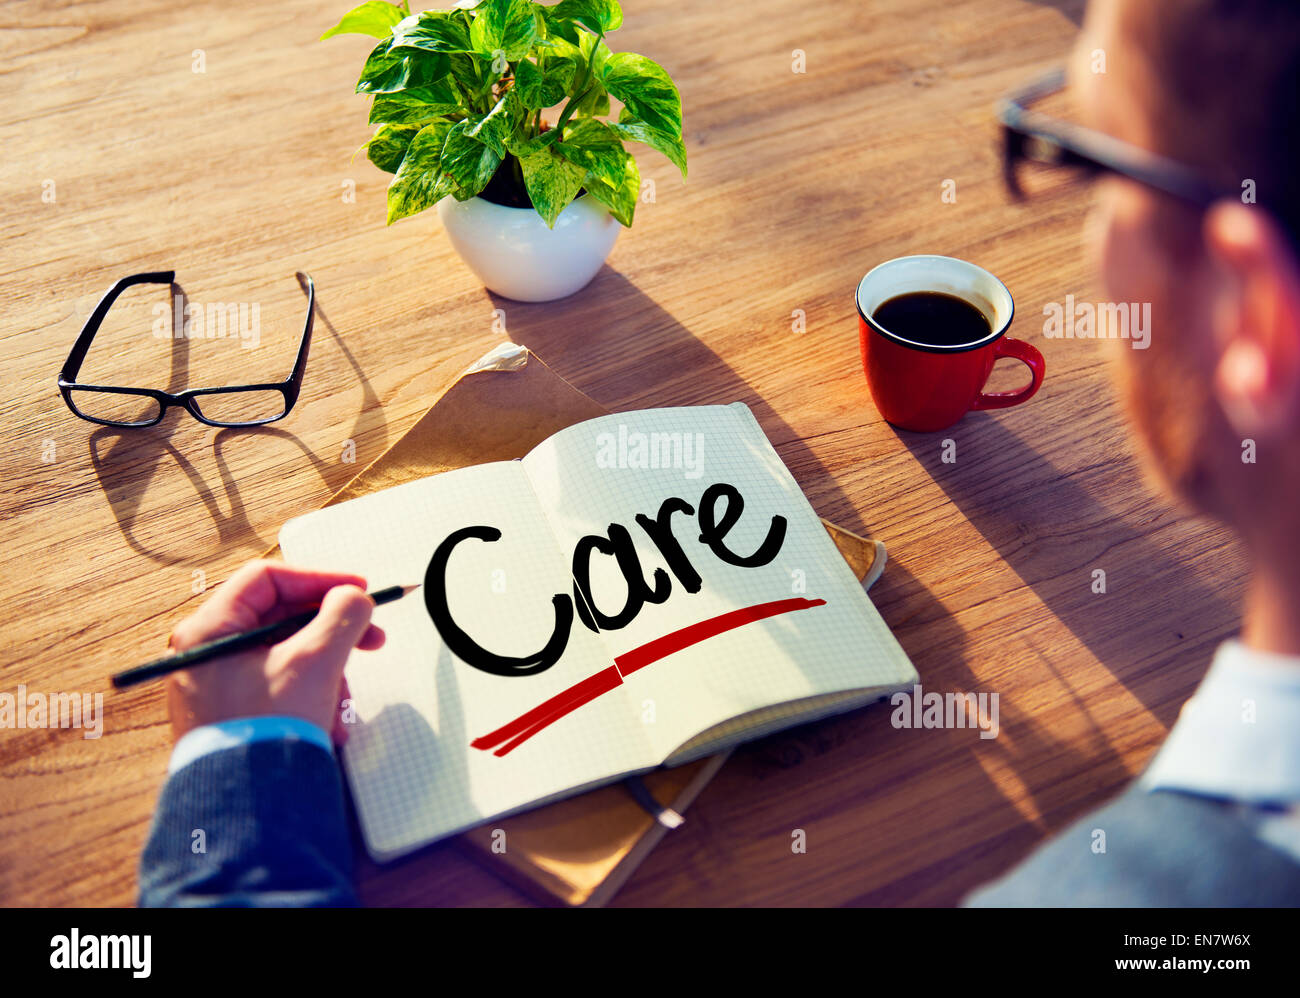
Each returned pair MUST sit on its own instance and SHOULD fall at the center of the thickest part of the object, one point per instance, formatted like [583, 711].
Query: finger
[264, 584]
[338, 626]
[248, 597]
[373, 639]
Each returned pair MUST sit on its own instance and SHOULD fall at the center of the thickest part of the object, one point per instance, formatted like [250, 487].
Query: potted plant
[460, 97]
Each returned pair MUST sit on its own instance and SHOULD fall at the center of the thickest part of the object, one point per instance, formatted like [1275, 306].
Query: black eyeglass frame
[67, 382]
[1038, 137]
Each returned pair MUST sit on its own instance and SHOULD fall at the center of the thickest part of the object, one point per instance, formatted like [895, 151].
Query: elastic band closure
[666, 816]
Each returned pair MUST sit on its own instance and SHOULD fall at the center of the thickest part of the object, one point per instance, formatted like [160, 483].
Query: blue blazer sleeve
[256, 825]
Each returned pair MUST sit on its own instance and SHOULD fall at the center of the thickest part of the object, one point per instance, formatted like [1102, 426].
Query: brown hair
[1230, 71]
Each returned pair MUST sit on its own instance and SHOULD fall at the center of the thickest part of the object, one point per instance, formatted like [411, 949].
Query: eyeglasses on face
[1032, 137]
[231, 405]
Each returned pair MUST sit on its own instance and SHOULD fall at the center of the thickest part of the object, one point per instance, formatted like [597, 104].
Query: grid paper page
[591, 475]
[413, 773]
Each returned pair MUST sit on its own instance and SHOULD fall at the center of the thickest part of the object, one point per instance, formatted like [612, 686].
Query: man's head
[1212, 84]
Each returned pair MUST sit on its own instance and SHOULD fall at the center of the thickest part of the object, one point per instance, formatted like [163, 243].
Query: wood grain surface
[120, 157]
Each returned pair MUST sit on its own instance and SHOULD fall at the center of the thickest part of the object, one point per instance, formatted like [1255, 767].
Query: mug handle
[1027, 355]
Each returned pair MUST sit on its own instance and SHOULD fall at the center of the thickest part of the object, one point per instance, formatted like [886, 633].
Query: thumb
[325, 643]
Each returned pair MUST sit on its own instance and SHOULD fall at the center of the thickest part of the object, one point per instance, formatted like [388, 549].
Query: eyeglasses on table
[134, 406]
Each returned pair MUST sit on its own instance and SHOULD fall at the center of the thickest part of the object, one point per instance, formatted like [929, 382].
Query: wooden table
[121, 157]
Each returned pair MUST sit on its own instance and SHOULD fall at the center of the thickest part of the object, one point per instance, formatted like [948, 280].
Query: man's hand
[302, 676]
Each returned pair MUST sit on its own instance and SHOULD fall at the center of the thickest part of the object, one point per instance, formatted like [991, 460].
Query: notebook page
[595, 474]
[412, 770]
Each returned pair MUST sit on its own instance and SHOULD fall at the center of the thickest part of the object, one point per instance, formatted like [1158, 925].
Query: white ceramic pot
[514, 254]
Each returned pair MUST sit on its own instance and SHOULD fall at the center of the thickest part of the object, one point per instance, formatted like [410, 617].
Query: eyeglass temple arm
[88, 331]
[1011, 113]
[300, 364]
[1094, 150]
[1041, 86]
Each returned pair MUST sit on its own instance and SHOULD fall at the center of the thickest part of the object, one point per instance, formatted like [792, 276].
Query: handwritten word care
[616, 543]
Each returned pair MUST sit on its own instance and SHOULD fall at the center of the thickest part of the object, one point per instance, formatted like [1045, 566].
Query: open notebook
[642, 588]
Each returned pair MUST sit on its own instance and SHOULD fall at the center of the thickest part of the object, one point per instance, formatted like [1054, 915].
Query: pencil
[231, 643]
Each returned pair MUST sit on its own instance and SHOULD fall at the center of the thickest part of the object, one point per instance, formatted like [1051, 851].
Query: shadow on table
[1049, 530]
[126, 460]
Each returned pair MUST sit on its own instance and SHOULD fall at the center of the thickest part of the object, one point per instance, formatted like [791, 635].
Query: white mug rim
[996, 331]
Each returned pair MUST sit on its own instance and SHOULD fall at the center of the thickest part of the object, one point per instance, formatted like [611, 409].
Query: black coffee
[934, 318]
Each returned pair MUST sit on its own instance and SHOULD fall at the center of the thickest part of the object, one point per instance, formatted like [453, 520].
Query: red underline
[526, 725]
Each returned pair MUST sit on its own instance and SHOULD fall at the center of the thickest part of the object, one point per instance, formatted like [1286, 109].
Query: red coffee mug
[921, 386]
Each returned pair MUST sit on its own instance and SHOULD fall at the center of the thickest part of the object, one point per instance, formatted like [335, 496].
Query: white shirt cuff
[243, 731]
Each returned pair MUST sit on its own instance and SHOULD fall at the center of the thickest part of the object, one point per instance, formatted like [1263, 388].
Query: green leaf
[387, 72]
[638, 131]
[420, 181]
[551, 181]
[374, 18]
[591, 145]
[388, 146]
[557, 27]
[465, 71]
[595, 104]
[433, 31]
[503, 25]
[538, 89]
[621, 202]
[381, 69]
[561, 48]
[596, 53]
[468, 162]
[645, 89]
[600, 16]
[586, 82]
[415, 105]
[496, 128]
[519, 145]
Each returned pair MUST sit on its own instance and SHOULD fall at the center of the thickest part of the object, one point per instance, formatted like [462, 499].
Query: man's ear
[1255, 318]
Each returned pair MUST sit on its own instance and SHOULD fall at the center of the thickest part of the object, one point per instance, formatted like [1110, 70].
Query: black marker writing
[616, 543]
